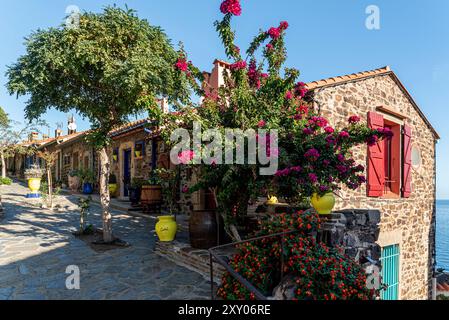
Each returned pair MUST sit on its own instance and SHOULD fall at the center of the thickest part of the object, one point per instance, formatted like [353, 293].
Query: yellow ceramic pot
[34, 184]
[323, 204]
[112, 188]
[272, 200]
[166, 228]
[138, 154]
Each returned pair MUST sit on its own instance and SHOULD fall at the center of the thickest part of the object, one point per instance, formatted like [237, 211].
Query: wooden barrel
[151, 195]
[203, 229]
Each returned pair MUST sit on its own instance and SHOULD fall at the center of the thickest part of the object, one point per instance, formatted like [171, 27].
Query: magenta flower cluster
[231, 6]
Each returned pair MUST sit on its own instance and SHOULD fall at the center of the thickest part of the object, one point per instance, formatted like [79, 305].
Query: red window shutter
[376, 170]
[407, 162]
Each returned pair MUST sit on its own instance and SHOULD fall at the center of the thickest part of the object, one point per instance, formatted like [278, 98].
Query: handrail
[212, 255]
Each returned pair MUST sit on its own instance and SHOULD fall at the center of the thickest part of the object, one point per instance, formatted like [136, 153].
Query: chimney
[71, 125]
[34, 136]
[58, 133]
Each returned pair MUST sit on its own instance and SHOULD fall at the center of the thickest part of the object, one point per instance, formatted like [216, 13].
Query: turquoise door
[390, 272]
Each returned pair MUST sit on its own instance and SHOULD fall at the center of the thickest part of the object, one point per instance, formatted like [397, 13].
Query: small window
[416, 157]
[115, 153]
[139, 149]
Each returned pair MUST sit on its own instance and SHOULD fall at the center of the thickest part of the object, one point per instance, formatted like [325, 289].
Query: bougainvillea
[258, 93]
[319, 272]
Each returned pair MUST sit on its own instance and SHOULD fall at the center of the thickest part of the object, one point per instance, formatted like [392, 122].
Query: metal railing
[248, 285]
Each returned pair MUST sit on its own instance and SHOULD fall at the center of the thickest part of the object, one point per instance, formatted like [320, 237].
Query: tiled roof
[346, 78]
[128, 127]
[443, 287]
[368, 74]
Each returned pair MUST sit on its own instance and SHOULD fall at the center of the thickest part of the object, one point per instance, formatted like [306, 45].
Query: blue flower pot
[88, 188]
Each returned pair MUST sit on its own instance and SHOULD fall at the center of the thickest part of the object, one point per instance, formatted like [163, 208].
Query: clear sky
[326, 38]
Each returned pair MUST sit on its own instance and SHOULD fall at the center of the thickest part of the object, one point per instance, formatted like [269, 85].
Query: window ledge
[391, 195]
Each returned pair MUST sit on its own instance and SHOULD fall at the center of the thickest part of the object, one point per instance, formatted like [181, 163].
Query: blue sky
[326, 38]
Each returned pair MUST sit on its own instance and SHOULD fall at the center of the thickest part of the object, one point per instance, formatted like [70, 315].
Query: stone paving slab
[36, 246]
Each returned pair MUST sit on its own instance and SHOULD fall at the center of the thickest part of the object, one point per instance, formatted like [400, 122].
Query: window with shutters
[389, 161]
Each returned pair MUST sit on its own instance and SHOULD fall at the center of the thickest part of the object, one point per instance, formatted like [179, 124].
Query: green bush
[5, 181]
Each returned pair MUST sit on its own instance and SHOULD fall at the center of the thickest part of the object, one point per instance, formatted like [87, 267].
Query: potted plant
[34, 177]
[166, 227]
[135, 190]
[74, 180]
[112, 185]
[88, 178]
[151, 190]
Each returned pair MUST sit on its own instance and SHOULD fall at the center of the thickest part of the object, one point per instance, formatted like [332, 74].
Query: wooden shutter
[407, 162]
[376, 170]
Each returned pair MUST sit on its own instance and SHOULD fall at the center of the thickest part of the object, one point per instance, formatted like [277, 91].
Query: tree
[265, 96]
[11, 136]
[110, 66]
[50, 159]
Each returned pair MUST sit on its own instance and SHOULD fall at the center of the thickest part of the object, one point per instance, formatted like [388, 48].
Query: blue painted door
[390, 272]
[126, 172]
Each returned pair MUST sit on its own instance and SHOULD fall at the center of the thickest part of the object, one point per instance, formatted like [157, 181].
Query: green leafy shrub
[5, 181]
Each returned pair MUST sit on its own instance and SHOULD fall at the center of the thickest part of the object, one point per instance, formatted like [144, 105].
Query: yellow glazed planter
[112, 188]
[324, 204]
[166, 228]
[34, 184]
[138, 154]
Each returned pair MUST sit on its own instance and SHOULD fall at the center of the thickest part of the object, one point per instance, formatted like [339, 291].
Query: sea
[442, 238]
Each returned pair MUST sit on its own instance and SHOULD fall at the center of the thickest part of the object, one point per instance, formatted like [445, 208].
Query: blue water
[443, 234]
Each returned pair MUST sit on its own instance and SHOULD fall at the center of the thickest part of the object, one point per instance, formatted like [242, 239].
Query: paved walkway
[36, 246]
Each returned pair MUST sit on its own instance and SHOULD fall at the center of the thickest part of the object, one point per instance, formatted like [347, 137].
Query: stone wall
[407, 222]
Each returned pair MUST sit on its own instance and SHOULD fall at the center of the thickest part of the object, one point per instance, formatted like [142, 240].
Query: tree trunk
[104, 194]
[50, 187]
[3, 166]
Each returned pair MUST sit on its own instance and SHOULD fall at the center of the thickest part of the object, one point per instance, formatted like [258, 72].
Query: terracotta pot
[204, 230]
[74, 183]
[151, 194]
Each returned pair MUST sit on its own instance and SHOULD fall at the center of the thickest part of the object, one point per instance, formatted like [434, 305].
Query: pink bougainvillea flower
[319, 121]
[313, 177]
[288, 95]
[354, 119]
[329, 130]
[231, 6]
[340, 157]
[239, 65]
[185, 189]
[372, 140]
[186, 156]
[307, 131]
[301, 90]
[264, 75]
[343, 134]
[261, 124]
[283, 25]
[269, 47]
[274, 33]
[313, 154]
[386, 132]
[182, 65]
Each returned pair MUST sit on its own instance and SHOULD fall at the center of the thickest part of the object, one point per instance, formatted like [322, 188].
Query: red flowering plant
[263, 95]
[317, 272]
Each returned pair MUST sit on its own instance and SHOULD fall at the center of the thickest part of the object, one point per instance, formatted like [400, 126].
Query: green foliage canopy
[111, 66]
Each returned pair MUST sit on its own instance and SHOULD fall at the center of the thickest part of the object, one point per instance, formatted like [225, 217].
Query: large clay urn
[205, 229]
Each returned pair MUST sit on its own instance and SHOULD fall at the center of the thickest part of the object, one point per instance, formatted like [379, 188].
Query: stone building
[401, 173]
